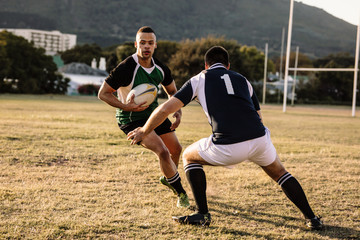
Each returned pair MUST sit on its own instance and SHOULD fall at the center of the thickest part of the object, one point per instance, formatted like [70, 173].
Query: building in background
[52, 41]
[80, 74]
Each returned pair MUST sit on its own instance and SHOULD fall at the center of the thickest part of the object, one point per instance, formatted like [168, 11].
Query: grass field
[67, 172]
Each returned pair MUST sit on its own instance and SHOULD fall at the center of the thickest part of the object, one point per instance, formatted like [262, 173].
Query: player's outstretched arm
[170, 91]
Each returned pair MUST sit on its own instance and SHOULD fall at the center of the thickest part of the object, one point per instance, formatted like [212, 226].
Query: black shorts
[160, 130]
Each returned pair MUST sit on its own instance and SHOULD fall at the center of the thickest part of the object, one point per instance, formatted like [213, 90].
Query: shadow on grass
[239, 233]
[252, 215]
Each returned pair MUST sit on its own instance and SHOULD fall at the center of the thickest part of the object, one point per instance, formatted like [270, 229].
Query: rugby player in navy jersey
[136, 69]
[238, 134]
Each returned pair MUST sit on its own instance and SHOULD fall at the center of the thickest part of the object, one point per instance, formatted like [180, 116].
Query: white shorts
[259, 150]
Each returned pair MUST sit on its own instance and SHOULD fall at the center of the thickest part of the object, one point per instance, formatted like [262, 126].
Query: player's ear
[228, 66]
[135, 44]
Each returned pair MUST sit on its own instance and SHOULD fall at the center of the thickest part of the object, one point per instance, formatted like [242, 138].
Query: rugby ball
[145, 92]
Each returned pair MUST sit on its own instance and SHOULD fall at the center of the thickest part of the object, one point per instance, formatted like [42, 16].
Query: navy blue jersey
[228, 101]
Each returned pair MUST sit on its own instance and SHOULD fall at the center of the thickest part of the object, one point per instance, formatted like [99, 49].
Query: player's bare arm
[106, 94]
[171, 90]
[155, 119]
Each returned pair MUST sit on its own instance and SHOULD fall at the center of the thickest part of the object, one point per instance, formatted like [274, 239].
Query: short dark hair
[217, 54]
[145, 29]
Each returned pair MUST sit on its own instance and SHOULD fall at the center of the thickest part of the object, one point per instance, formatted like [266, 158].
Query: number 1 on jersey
[228, 84]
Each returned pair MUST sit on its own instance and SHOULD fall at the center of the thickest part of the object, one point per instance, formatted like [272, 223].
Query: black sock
[295, 193]
[197, 179]
[175, 182]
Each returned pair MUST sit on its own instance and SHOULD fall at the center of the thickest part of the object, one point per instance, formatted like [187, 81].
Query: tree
[110, 55]
[27, 69]
[335, 86]
[5, 67]
[165, 50]
[252, 63]
[82, 53]
[125, 50]
[303, 61]
[330, 87]
[189, 59]
[111, 62]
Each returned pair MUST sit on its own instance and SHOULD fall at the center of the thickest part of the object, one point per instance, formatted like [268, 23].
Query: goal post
[287, 68]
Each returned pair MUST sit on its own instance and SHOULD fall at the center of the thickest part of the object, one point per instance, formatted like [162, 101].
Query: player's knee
[275, 170]
[186, 155]
[163, 153]
[184, 162]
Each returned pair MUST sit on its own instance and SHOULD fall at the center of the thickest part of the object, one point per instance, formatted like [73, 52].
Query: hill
[249, 22]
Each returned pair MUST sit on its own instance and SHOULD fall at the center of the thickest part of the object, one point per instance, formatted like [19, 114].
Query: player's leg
[173, 145]
[193, 166]
[293, 190]
[153, 142]
[290, 186]
[167, 166]
[196, 177]
[263, 153]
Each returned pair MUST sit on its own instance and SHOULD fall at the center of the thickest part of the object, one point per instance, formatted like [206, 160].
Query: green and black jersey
[127, 75]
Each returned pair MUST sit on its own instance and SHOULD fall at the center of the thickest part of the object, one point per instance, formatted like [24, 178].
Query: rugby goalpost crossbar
[287, 68]
[323, 69]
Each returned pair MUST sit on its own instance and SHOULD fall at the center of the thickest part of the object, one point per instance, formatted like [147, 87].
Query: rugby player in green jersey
[136, 69]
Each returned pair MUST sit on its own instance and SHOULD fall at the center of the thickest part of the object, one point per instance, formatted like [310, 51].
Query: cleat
[164, 182]
[194, 219]
[183, 201]
[314, 223]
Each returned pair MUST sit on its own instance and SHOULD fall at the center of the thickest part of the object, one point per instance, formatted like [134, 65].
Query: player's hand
[131, 106]
[177, 115]
[135, 135]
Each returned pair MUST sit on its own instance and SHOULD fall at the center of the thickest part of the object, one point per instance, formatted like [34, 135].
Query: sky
[348, 10]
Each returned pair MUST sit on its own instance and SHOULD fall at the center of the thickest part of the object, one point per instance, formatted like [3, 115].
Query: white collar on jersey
[149, 70]
[217, 65]
[136, 58]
